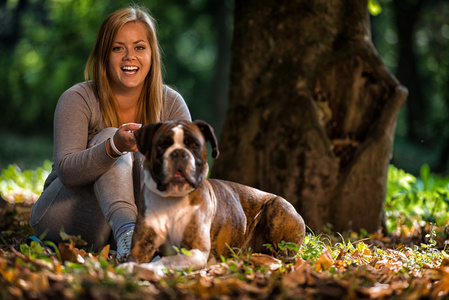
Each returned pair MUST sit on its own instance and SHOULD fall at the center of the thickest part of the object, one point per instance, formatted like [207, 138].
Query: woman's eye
[140, 48]
[116, 49]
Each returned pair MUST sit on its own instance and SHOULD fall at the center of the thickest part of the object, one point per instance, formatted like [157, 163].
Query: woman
[95, 178]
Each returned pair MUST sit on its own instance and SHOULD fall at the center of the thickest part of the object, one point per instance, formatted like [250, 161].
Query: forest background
[44, 46]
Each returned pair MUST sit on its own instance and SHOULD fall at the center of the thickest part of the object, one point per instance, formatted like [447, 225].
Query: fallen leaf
[76, 240]
[301, 274]
[70, 253]
[260, 260]
[377, 291]
[9, 274]
[146, 274]
[325, 261]
[441, 287]
[104, 252]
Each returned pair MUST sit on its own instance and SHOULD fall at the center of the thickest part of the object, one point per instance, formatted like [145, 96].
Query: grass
[27, 152]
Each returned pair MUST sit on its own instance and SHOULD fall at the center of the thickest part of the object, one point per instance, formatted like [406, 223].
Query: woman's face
[129, 59]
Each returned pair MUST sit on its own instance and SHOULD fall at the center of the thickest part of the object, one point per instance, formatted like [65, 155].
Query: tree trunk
[312, 110]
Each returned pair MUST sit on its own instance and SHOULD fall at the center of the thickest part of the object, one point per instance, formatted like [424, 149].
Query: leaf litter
[325, 267]
[410, 262]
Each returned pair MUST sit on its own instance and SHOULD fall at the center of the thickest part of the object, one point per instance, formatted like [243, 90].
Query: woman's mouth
[130, 70]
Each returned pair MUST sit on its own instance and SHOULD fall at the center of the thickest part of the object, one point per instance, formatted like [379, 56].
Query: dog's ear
[209, 135]
[144, 136]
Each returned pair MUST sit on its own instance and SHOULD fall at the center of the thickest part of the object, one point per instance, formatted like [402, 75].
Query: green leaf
[186, 252]
[374, 7]
[36, 248]
[292, 246]
[268, 246]
[25, 249]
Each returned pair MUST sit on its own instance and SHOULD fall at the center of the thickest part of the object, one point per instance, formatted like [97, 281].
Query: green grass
[414, 201]
[27, 152]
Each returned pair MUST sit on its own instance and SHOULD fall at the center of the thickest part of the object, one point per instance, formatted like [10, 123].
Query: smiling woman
[96, 170]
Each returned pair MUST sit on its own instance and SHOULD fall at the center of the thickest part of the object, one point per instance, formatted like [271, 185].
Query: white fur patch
[178, 143]
[196, 260]
[152, 186]
[168, 216]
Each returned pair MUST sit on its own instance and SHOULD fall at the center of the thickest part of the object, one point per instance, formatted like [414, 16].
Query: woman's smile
[130, 70]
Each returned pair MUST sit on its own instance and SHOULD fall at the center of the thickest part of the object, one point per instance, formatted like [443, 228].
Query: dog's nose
[179, 154]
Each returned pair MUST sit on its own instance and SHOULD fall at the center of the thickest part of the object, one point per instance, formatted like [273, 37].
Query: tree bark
[312, 110]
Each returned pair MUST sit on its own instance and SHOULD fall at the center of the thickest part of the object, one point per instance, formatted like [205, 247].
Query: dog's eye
[164, 144]
[191, 143]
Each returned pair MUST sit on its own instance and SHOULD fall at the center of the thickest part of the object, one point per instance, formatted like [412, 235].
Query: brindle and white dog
[180, 207]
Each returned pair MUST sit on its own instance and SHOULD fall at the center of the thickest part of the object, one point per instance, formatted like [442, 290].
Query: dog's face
[176, 154]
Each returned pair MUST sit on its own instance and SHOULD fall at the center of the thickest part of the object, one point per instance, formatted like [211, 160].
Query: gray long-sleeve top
[77, 120]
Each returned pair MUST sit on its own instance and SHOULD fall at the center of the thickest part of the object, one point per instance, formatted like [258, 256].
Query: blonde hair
[150, 100]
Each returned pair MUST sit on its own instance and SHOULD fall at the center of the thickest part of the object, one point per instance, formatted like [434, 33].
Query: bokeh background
[44, 45]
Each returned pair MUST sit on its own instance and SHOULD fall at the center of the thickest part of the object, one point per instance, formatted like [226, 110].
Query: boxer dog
[180, 209]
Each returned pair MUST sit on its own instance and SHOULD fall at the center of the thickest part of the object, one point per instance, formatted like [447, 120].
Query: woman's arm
[175, 108]
[76, 164]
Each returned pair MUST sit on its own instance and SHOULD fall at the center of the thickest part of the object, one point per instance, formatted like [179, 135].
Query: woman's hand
[124, 139]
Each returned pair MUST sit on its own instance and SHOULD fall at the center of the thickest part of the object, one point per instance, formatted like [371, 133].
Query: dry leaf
[441, 288]
[265, 260]
[146, 274]
[302, 274]
[71, 253]
[377, 291]
[104, 252]
[324, 262]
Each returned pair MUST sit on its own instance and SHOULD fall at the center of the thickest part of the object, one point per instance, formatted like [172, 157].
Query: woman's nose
[129, 55]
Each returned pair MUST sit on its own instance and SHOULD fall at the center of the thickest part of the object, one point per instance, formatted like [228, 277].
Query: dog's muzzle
[179, 169]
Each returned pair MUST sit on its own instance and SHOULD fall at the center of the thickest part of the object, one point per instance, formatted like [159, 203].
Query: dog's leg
[144, 244]
[196, 240]
[277, 221]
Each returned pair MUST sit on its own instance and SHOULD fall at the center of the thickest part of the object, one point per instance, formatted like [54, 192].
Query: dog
[179, 209]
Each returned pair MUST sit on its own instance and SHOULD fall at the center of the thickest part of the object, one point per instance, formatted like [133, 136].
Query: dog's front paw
[130, 266]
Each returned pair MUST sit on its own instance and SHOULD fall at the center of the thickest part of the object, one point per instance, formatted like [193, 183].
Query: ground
[405, 265]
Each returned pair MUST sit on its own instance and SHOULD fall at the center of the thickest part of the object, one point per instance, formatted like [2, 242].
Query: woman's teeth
[130, 69]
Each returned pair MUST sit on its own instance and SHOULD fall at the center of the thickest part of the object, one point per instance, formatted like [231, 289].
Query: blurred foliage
[44, 45]
[374, 7]
[27, 152]
[431, 49]
[17, 186]
[416, 201]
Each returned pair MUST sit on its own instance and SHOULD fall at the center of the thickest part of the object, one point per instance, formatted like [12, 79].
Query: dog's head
[176, 155]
